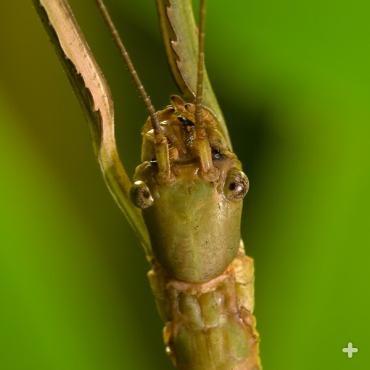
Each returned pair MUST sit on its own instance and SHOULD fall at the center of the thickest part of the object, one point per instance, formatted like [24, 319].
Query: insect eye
[236, 185]
[216, 154]
[140, 195]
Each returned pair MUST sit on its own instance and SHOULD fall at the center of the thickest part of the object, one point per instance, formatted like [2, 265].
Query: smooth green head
[193, 217]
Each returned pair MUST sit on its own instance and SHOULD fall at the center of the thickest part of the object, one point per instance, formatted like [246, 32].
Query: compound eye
[236, 185]
[216, 154]
[140, 195]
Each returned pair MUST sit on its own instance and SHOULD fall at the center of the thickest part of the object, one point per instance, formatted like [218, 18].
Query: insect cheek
[140, 195]
[236, 185]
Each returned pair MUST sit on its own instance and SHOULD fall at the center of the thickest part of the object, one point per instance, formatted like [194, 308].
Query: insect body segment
[210, 325]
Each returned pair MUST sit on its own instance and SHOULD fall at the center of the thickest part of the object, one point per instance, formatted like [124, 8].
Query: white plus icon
[350, 350]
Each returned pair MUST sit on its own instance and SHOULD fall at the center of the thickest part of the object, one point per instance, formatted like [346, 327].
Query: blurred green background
[294, 84]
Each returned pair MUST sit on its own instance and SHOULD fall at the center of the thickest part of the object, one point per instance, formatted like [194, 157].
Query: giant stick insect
[185, 200]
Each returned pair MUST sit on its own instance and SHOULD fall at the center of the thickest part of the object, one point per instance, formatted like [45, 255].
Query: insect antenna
[202, 143]
[131, 68]
[161, 144]
[200, 68]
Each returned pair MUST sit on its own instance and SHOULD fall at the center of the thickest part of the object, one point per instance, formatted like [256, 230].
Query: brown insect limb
[161, 143]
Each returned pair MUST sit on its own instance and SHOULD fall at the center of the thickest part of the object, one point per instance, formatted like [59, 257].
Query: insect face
[194, 218]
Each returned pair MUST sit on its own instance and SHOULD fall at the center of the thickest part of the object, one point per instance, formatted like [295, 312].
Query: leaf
[92, 89]
[180, 35]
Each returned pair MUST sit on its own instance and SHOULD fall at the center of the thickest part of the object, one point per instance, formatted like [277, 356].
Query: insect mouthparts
[185, 121]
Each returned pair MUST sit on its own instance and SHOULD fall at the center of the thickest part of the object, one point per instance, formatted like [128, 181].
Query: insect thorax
[193, 217]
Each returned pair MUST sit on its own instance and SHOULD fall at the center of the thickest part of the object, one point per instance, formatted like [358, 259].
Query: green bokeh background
[294, 84]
